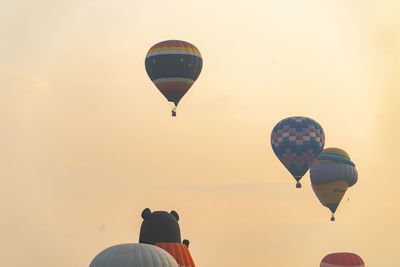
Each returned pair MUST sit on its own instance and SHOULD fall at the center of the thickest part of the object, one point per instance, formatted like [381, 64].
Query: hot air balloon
[342, 259]
[161, 228]
[331, 174]
[173, 66]
[180, 252]
[133, 255]
[297, 142]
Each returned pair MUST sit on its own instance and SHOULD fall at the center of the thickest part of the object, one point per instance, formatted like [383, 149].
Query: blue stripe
[173, 66]
[336, 158]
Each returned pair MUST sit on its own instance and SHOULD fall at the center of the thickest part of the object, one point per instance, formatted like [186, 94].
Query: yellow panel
[174, 86]
[331, 193]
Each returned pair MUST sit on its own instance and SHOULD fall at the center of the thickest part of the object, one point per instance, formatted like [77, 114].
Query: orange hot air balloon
[179, 251]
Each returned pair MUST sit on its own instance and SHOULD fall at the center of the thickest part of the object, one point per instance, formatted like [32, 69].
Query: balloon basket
[173, 111]
[332, 218]
[298, 185]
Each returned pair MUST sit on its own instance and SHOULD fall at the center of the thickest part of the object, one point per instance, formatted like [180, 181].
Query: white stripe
[172, 52]
[165, 80]
[323, 264]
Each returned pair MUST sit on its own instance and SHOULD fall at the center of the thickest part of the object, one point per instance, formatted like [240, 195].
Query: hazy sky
[87, 141]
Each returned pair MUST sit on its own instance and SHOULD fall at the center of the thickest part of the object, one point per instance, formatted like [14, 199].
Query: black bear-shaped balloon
[159, 227]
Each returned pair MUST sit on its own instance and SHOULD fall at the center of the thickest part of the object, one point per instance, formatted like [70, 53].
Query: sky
[87, 141]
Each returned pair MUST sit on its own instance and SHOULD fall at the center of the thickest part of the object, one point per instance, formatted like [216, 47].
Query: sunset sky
[87, 141]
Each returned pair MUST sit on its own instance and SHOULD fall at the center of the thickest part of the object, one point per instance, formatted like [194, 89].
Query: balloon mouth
[332, 206]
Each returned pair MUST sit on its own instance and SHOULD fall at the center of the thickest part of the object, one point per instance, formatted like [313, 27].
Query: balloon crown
[334, 154]
[159, 226]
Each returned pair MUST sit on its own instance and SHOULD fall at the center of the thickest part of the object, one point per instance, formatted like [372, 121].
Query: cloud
[237, 188]
[21, 81]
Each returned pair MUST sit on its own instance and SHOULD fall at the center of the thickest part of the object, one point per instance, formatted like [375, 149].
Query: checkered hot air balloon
[297, 142]
[342, 259]
[173, 66]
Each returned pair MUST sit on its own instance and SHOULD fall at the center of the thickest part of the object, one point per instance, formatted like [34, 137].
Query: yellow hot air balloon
[331, 174]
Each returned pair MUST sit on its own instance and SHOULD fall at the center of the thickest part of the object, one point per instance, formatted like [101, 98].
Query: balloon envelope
[133, 255]
[180, 252]
[331, 174]
[297, 142]
[173, 66]
[159, 226]
[342, 259]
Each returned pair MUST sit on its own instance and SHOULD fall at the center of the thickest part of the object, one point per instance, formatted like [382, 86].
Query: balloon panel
[159, 226]
[297, 142]
[173, 65]
[334, 154]
[336, 151]
[173, 88]
[323, 172]
[330, 194]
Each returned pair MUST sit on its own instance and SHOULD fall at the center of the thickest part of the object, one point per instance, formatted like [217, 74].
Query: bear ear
[175, 214]
[146, 213]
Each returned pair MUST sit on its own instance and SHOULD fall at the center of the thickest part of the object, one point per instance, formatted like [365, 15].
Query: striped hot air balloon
[331, 174]
[173, 66]
[297, 142]
[342, 259]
